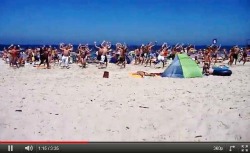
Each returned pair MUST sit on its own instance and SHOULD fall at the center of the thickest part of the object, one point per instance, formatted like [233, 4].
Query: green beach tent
[183, 67]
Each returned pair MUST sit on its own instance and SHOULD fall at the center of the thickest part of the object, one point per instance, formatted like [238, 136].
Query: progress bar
[114, 147]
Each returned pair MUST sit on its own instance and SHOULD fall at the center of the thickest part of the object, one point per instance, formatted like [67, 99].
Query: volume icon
[29, 148]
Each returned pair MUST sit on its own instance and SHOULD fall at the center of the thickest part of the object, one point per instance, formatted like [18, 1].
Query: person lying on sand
[142, 74]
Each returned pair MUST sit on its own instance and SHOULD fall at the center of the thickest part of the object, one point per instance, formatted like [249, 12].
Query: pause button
[10, 148]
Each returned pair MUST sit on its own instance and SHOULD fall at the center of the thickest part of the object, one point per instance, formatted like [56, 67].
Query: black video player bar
[137, 147]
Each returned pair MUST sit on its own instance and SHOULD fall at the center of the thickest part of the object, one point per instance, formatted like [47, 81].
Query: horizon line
[135, 44]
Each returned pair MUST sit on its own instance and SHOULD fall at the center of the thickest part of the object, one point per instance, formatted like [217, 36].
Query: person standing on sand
[105, 50]
[161, 55]
[99, 52]
[173, 52]
[122, 57]
[206, 58]
[148, 51]
[231, 57]
[143, 51]
[50, 54]
[225, 54]
[236, 53]
[83, 54]
[36, 55]
[10, 52]
[215, 50]
[44, 56]
[244, 56]
[209, 55]
[79, 55]
[137, 56]
[102, 53]
[30, 55]
[14, 52]
[55, 55]
[65, 57]
[5, 54]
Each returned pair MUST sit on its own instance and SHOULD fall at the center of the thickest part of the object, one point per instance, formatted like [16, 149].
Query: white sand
[78, 104]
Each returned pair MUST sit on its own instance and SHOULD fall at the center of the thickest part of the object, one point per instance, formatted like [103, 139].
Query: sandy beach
[78, 104]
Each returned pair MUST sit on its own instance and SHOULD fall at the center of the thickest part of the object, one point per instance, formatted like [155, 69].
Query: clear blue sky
[131, 21]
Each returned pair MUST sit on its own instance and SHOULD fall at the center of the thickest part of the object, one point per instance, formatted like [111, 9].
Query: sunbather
[142, 74]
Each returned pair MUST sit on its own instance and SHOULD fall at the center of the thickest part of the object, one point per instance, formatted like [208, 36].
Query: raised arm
[71, 48]
[109, 45]
[79, 46]
[219, 47]
[164, 44]
[10, 46]
[97, 46]
[151, 44]
[118, 45]
[102, 44]
[61, 46]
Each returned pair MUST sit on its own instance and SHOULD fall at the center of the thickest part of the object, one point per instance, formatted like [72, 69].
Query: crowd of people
[142, 55]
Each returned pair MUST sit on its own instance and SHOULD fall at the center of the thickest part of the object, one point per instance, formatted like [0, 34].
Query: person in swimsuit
[140, 55]
[143, 54]
[44, 56]
[83, 57]
[50, 57]
[244, 56]
[137, 56]
[79, 49]
[215, 51]
[231, 57]
[5, 54]
[207, 57]
[105, 50]
[173, 52]
[142, 74]
[196, 60]
[65, 52]
[55, 55]
[10, 52]
[236, 53]
[122, 58]
[14, 52]
[206, 69]
[148, 52]
[99, 52]
[30, 55]
[162, 54]
[225, 54]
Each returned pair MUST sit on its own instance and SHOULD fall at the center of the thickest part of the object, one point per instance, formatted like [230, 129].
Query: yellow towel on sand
[135, 75]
